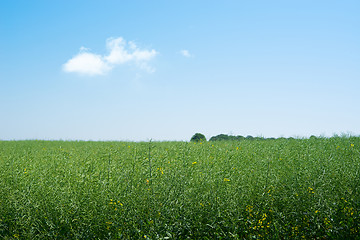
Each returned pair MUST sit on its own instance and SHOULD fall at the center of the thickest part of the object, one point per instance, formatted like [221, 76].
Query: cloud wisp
[186, 53]
[120, 52]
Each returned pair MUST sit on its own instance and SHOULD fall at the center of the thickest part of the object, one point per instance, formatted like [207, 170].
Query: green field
[259, 189]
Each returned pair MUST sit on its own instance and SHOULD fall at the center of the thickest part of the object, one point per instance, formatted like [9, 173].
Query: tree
[249, 137]
[224, 137]
[198, 137]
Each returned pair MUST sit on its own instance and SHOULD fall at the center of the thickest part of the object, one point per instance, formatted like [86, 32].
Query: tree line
[199, 137]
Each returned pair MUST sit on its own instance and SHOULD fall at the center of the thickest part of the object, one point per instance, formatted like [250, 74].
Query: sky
[165, 70]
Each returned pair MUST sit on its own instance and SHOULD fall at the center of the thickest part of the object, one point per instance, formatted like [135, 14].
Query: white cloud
[84, 49]
[120, 52]
[185, 53]
[86, 63]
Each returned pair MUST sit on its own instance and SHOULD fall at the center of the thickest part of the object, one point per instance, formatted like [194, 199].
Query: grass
[260, 189]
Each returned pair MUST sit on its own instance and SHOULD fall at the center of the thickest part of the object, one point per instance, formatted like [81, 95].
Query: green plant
[278, 189]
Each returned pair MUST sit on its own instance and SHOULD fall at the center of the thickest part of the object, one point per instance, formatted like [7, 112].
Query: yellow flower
[352, 145]
[316, 211]
[194, 163]
[249, 208]
[226, 180]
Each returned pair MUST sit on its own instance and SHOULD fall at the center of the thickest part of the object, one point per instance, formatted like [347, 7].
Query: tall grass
[269, 189]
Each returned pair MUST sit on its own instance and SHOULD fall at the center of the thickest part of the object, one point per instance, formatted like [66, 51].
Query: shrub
[198, 137]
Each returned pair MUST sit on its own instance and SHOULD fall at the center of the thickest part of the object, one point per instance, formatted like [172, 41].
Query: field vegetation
[258, 189]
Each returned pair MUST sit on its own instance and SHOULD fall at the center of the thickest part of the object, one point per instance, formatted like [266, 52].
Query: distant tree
[249, 137]
[213, 138]
[239, 138]
[198, 137]
[220, 137]
[224, 137]
[258, 138]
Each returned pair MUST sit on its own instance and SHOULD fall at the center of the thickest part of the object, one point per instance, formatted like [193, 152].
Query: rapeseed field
[249, 189]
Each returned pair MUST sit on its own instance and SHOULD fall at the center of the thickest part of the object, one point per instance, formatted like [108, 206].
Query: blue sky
[164, 70]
